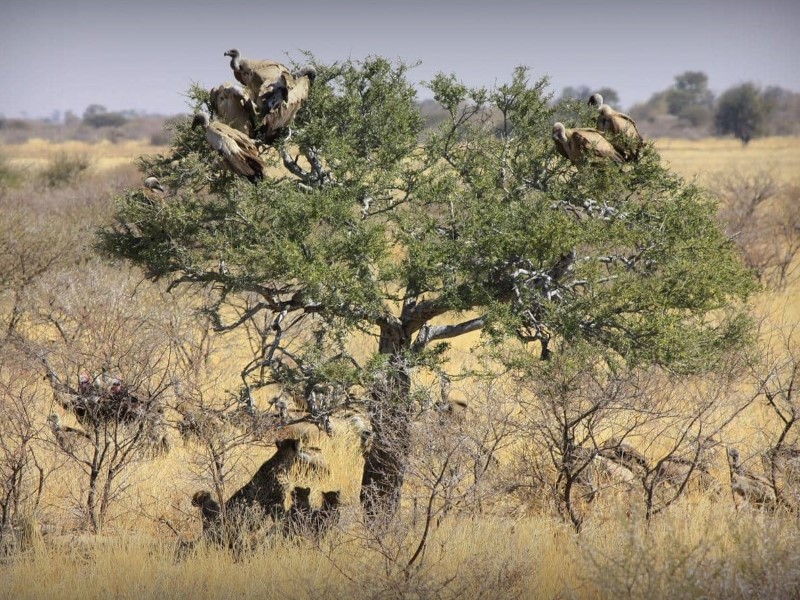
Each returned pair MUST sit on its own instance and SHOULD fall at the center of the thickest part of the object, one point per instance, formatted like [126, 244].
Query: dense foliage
[367, 225]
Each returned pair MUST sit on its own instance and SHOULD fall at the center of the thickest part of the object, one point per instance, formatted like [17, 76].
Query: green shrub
[10, 177]
[63, 170]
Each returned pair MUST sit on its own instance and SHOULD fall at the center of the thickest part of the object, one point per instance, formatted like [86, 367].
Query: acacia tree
[369, 225]
[741, 111]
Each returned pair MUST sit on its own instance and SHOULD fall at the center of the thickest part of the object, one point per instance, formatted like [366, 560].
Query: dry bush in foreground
[763, 218]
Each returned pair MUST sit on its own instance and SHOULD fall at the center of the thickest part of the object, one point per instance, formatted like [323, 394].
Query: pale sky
[143, 54]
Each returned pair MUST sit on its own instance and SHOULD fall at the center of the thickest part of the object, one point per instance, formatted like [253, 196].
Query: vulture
[65, 436]
[625, 455]
[238, 151]
[254, 73]
[152, 183]
[582, 144]
[236, 65]
[621, 129]
[276, 92]
[754, 489]
[279, 101]
[282, 114]
[233, 107]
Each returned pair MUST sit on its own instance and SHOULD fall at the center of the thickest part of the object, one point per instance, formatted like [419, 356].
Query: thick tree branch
[430, 333]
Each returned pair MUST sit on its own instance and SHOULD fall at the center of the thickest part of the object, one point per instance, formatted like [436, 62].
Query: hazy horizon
[143, 56]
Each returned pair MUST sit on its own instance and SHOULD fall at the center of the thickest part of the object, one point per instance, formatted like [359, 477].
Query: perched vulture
[280, 101]
[276, 92]
[582, 144]
[233, 107]
[255, 73]
[754, 489]
[152, 183]
[236, 65]
[66, 437]
[620, 128]
[238, 151]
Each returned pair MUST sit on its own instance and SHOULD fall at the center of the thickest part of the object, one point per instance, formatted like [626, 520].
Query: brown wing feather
[237, 150]
[590, 141]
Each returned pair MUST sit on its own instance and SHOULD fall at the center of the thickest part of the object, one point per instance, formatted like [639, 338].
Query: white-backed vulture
[238, 151]
[753, 488]
[276, 92]
[625, 455]
[236, 66]
[66, 437]
[677, 472]
[152, 183]
[278, 101]
[255, 73]
[619, 127]
[583, 144]
[233, 106]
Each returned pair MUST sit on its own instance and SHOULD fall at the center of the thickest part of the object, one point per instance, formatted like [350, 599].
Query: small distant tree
[689, 98]
[742, 112]
[582, 92]
[477, 228]
[783, 111]
[97, 115]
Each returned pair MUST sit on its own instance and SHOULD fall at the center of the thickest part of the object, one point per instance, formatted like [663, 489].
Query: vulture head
[309, 72]
[233, 53]
[733, 457]
[200, 119]
[201, 497]
[84, 382]
[559, 133]
[595, 100]
[152, 183]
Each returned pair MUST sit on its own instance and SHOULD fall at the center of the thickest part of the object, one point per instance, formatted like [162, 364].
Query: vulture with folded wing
[280, 101]
[583, 144]
[619, 127]
[255, 73]
[66, 437]
[232, 106]
[237, 150]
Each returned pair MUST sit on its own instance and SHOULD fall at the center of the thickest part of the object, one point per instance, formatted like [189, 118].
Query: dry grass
[700, 547]
[34, 154]
[704, 158]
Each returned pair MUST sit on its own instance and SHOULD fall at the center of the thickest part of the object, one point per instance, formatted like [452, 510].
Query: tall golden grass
[700, 547]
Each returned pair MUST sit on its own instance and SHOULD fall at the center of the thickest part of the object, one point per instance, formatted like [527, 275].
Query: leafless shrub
[776, 377]
[567, 406]
[100, 339]
[22, 474]
[763, 218]
[642, 437]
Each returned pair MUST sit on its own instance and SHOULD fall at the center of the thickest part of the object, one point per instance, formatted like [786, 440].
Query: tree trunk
[390, 416]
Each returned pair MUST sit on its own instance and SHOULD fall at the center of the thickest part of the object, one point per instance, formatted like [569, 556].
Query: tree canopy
[368, 225]
[741, 111]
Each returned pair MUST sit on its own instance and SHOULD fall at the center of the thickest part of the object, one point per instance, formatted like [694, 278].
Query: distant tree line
[687, 108]
[746, 111]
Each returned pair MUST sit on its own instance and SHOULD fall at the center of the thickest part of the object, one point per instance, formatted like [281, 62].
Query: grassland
[705, 158]
[700, 547]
